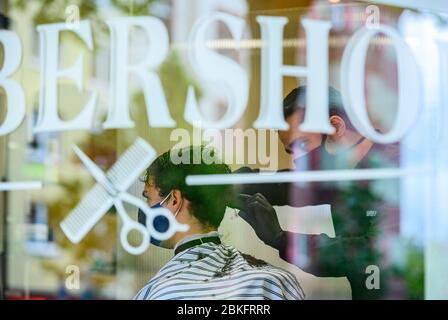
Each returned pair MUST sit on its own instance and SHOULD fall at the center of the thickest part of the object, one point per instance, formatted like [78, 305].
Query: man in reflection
[353, 249]
[203, 267]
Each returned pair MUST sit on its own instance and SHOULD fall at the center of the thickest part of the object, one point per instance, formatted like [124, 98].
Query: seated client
[202, 266]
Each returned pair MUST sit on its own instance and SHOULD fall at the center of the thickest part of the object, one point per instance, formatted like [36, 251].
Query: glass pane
[331, 110]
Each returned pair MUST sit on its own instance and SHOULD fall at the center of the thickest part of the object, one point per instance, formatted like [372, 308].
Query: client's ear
[339, 125]
[176, 199]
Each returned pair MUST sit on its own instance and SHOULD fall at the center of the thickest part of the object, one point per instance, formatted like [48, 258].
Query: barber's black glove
[259, 213]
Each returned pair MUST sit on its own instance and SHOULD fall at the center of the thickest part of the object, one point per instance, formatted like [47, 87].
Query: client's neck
[195, 229]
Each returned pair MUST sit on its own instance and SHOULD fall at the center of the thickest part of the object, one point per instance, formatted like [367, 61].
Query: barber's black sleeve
[276, 193]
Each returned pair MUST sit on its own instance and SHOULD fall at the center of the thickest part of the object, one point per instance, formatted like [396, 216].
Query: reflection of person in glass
[352, 250]
[203, 267]
[344, 141]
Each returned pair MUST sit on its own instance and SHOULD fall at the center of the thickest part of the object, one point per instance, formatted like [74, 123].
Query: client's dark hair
[296, 100]
[207, 203]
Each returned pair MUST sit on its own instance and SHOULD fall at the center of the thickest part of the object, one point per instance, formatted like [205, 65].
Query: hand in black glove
[259, 213]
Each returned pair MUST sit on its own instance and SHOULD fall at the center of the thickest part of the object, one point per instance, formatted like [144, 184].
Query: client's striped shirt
[218, 271]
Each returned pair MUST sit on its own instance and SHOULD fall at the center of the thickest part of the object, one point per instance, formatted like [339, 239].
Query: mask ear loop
[167, 197]
[178, 210]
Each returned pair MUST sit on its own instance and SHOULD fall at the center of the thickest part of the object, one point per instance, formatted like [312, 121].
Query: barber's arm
[259, 213]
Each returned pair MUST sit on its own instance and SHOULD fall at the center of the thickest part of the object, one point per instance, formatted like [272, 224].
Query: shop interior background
[39, 262]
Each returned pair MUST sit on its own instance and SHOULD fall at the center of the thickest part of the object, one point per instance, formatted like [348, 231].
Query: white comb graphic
[109, 191]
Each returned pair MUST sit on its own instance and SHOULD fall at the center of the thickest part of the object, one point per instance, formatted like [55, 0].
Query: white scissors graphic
[111, 190]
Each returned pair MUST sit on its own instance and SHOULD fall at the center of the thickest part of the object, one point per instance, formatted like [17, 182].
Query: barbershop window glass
[396, 225]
